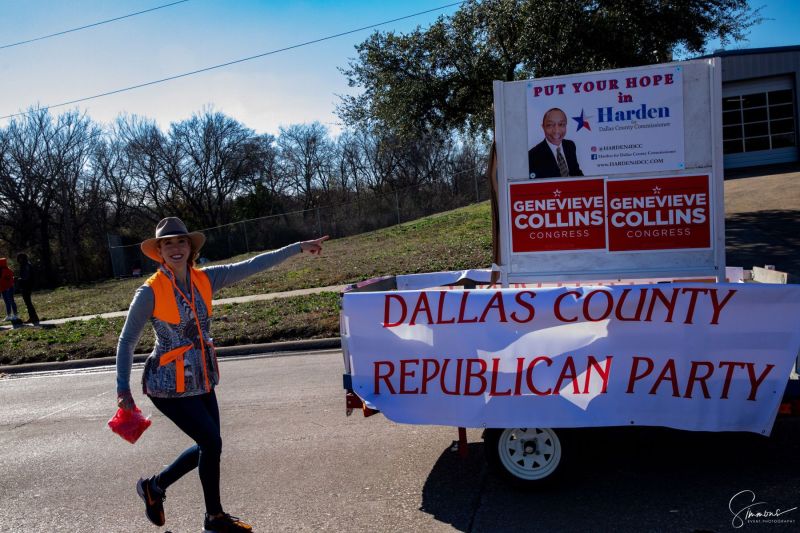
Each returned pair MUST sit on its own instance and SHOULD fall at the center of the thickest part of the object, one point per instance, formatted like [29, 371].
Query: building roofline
[750, 51]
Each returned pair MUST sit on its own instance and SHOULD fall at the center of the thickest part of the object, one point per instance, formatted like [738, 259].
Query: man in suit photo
[555, 156]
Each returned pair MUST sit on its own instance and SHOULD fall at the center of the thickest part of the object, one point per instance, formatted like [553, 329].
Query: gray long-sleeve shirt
[141, 308]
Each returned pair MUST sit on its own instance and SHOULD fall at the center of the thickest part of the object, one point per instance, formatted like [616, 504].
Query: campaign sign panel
[558, 215]
[606, 123]
[664, 213]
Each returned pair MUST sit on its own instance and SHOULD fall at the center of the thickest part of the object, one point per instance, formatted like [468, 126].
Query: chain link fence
[363, 214]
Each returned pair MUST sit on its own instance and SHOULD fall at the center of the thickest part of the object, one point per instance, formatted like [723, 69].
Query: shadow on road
[764, 237]
[453, 488]
[625, 479]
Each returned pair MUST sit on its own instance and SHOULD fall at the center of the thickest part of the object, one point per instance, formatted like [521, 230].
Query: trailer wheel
[527, 457]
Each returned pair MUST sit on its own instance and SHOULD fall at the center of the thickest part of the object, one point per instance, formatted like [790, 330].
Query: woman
[181, 372]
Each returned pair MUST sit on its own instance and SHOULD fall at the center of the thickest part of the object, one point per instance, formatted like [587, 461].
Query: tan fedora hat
[170, 227]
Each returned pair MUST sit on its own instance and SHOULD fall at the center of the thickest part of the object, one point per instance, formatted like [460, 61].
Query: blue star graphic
[582, 122]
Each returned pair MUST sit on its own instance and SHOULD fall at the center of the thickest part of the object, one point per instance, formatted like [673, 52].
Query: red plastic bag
[129, 424]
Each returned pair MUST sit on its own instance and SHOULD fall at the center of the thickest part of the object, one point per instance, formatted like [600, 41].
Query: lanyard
[171, 276]
[191, 289]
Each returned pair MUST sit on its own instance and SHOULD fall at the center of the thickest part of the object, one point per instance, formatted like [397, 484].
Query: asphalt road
[292, 461]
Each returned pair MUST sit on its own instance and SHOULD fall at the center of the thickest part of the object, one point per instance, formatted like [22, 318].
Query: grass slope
[447, 241]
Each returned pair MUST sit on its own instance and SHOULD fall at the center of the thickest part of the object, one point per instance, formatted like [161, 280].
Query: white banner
[694, 356]
[610, 123]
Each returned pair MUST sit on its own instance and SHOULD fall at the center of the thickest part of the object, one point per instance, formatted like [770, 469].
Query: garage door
[759, 122]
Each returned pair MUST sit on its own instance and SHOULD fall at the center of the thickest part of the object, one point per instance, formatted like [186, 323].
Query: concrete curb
[223, 352]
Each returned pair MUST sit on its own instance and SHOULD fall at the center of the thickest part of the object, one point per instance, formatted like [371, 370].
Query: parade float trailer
[609, 302]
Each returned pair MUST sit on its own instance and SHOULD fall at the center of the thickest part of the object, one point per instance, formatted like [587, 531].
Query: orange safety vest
[165, 369]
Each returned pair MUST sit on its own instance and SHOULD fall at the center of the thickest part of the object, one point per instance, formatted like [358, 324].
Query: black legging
[198, 417]
[26, 297]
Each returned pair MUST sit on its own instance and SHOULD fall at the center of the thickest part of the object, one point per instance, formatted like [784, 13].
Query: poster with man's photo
[608, 123]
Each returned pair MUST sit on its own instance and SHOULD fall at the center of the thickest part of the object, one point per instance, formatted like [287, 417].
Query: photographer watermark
[746, 510]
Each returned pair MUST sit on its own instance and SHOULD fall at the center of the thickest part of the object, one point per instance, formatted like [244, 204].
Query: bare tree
[26, 192]
[77, 196]
[381, 157]
[115, 169]
[148, 161]
[306, 158]
[52, 201]
[268, 173]
[217, 159]
[65, 182]
[266, 188]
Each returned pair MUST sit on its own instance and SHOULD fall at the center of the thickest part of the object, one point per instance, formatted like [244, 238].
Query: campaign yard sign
[611, 175]
[619, 122]
[695, 356]
[611, 215]
[558, 215]
[665, 213]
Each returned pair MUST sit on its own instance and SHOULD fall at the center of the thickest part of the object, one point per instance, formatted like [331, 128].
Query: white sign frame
[702, 114]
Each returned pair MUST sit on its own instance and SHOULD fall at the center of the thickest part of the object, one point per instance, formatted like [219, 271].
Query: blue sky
[292, 87]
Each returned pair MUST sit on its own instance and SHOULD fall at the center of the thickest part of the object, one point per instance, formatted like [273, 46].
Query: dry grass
[762, 222]
[772, 192]
[446, 241]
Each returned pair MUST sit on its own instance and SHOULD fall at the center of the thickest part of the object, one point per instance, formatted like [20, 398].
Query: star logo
[557, 193]
[656, 190]
[582, 122]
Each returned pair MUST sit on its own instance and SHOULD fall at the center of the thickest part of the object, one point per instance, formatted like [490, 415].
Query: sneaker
[225, 524]
[153, 500]
[7, 318]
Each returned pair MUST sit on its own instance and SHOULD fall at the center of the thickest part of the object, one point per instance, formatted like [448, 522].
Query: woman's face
[175, 251]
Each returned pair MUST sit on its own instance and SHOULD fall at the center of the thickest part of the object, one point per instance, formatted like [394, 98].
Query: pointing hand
[313, 247]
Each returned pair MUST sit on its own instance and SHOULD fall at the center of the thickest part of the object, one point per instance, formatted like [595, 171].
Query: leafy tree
[440, 78]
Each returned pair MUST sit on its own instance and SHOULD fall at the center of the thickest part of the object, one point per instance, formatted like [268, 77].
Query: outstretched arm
[225, 275]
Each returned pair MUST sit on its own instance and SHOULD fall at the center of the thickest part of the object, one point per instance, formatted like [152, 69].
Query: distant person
[555, 156]
[136, 269]
[181, 372]
[24, 284]
[7, 288]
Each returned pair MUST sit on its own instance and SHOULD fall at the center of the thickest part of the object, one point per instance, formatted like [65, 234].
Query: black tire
[527, 458]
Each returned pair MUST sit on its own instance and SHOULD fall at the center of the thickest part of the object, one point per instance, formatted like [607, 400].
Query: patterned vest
[183, 361]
